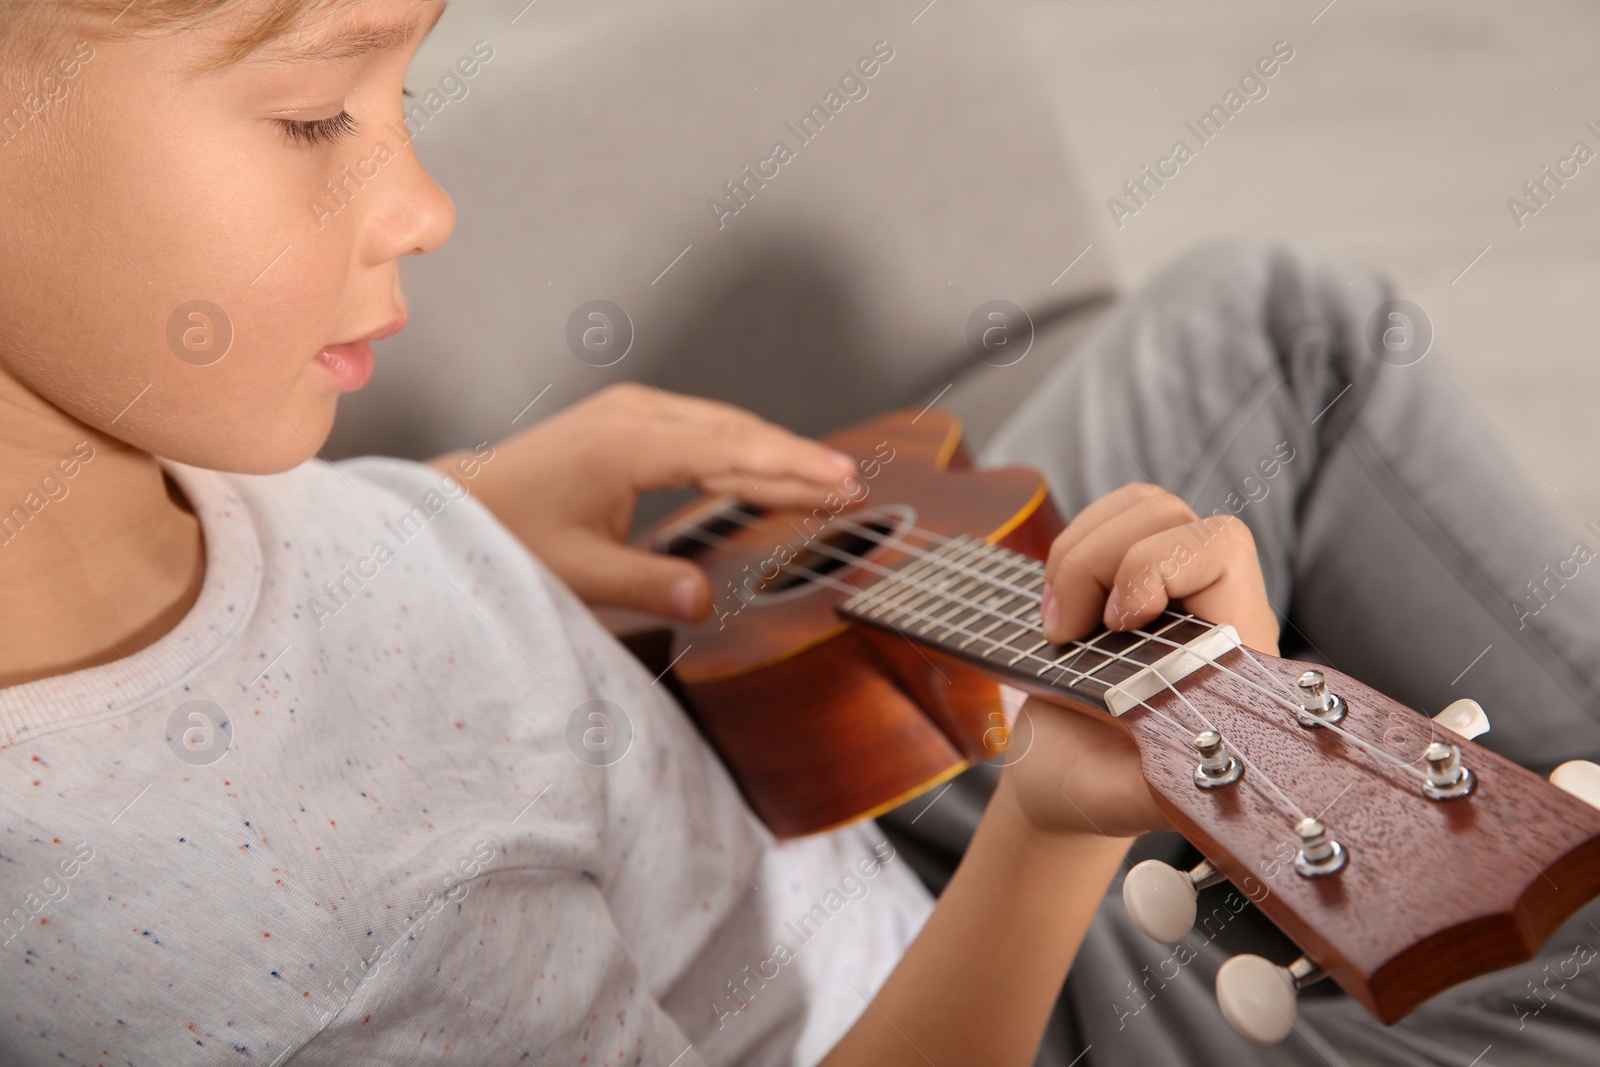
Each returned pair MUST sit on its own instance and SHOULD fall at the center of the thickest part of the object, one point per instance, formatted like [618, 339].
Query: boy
[238, 826]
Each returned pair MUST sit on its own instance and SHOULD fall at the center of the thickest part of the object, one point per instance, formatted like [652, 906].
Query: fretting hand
[1119, 562]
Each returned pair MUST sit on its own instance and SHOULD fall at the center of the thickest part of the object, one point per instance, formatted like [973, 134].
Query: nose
[418, 217]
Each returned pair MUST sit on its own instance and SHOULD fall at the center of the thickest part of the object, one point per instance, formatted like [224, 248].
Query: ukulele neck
[979, 602]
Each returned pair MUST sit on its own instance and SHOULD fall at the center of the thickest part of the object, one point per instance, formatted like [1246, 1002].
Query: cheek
[161, 241]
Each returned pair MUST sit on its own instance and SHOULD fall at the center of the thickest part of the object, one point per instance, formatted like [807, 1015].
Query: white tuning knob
[1257, 996]
[1465, 717]
[1578, 777]
[1161, 899]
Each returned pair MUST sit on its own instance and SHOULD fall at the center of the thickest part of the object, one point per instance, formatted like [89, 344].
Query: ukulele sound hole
[846, 542]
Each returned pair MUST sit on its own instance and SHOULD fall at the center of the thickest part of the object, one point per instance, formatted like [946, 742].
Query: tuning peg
[1257, 996]
[1578, 777]
[1465, 717]
[1319, 706]
[1161, 899]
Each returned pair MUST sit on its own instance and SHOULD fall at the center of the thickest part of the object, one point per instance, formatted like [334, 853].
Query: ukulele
[856, 655]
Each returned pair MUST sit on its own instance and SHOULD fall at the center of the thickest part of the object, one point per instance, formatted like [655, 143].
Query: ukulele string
[1182, 745]
[993, 578]
[755, 522]
[1408, 766]
[917, 552]
[853, 590]
[1382, 751]
[1404, 765]
[717, 541]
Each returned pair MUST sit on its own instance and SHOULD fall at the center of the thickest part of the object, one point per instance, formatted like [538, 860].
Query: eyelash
[320, 131]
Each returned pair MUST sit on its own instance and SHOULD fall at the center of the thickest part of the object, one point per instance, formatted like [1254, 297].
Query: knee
[1282, 308]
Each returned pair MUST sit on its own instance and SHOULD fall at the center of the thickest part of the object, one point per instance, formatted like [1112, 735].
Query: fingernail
[1049, 610]
[685, 598]
[846, 464]
[1114, 612]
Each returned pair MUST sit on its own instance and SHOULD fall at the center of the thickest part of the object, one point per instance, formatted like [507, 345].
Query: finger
[776, 468]
[1212, 566]
[1083, 574]
[787, 492]
[603, 572]
[1100, 512]
[756, 449]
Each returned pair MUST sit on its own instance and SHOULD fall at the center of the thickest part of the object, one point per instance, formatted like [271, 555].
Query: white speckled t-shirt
[338, 815]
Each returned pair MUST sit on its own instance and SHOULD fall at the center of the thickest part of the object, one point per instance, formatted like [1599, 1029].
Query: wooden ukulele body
[815, 730]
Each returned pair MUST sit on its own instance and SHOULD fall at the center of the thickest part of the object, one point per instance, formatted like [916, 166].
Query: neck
[98, 556]
[980, 603]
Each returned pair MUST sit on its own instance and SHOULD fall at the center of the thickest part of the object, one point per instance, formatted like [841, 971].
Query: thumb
[603, 572]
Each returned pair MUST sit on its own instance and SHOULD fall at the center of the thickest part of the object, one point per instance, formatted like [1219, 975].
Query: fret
[977, 599]
[1103, 657]
[1031, 638]
[923, 592]
[1022, 629]
[990, 554]
[1114, 657]
[953, 620]
[1022, 564]
[1072, 652]
[977, 581]
[908, 579]
[1073, 649]
[1139, 651]
[995, 645]
[1141, 642]
[994, 604]
[1012, 662]
[1003, 620]
[942, 568]
[924, 614]
[1004, 578]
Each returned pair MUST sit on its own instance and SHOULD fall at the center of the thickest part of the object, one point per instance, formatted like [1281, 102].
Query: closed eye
[320, 131]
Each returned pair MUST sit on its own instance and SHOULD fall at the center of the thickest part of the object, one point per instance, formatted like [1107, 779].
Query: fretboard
[980, 603]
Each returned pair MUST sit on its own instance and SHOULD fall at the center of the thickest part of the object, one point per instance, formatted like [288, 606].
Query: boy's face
[152, 211]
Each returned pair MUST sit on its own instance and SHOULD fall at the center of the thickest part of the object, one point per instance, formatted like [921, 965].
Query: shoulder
[377, 509]
[372, 538]
[321, 495]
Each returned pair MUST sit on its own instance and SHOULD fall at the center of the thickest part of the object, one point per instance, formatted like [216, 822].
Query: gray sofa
[838, 286]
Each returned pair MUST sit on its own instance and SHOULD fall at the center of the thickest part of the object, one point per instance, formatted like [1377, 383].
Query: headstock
[1443, 872]
[1399, 855]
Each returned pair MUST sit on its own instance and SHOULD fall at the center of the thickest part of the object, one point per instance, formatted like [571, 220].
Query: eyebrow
[360, 40]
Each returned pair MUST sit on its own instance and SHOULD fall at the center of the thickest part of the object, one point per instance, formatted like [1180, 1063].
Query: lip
[350, 363]
[389, 330]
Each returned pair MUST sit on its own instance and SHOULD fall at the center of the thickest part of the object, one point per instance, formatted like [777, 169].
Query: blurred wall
[1394, 137]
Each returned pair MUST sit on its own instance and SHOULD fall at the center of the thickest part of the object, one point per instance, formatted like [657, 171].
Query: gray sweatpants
[1398, 544]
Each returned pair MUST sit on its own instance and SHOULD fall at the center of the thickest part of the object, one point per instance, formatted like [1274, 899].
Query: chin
[251, 448]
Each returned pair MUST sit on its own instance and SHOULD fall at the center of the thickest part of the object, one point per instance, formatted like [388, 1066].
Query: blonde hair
[36, 27]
